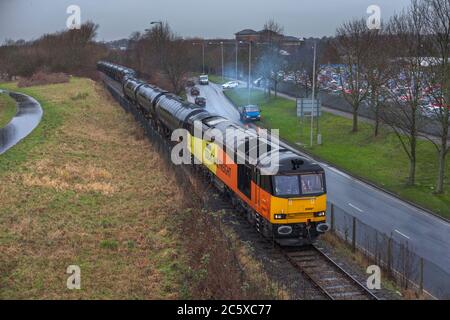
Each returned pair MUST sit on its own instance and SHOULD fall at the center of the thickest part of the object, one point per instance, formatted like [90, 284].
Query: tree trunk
[442, 155]
[376, 106]
[377, 121]
[441, 172]
[412, 172]
[355, 120]
[412, 163]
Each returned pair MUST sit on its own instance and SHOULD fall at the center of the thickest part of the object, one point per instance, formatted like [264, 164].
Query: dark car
[190, 83]
[200, 101]
[195, 91]
[250, 113]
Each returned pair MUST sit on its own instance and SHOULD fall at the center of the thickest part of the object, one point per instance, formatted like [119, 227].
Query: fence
[398, 259]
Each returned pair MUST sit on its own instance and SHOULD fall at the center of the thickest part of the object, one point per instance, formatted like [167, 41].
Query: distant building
[267, 36]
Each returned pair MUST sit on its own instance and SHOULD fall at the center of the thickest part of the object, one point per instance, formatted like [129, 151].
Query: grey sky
[29, 19]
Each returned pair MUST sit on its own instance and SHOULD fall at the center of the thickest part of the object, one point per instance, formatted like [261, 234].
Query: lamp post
[313, 95]
[221, 51]
[160, 32]
[237, 49]
[203, 54]
[249, 67]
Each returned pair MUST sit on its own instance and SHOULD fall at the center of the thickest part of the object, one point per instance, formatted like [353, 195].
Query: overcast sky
[29, 19]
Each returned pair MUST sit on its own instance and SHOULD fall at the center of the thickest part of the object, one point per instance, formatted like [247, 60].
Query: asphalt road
[216, 102]
[27, 118]
[427, 235]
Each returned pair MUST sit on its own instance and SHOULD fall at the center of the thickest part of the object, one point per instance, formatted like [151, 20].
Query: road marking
[402, 234]
[355, 207]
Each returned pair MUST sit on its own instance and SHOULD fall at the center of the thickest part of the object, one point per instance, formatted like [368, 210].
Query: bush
[41, 78]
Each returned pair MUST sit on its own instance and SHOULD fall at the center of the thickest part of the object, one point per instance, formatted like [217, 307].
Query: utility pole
[313, 95]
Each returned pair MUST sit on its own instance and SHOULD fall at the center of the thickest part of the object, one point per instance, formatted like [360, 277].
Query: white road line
[402, 234]
[355, 207]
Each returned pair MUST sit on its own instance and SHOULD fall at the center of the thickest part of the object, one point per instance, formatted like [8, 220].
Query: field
[7, 109]
[86, 188]
[361, 154]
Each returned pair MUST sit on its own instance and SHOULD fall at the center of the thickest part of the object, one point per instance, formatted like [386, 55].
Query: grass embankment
[85, 188]
[380, 160]
[81, 191]
[7, 109]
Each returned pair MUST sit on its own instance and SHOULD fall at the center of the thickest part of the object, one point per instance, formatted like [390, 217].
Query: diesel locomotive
[288, 206]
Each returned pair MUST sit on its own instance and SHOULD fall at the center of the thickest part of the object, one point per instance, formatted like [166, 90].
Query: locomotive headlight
[280, 216]
[319, 214]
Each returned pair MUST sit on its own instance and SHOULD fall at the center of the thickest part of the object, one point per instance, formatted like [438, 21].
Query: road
[216, 102]
[29, 114]
[427, 235]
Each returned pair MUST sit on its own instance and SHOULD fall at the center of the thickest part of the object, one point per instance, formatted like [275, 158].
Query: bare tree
[161, 55]
[377, 75]
[438, 29]
[353, 43]
[176, 63]
[402, 110]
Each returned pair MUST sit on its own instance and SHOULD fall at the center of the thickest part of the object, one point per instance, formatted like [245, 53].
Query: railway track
[330, 278]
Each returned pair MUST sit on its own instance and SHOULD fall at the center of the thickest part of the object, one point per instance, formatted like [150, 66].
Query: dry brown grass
[89, 196]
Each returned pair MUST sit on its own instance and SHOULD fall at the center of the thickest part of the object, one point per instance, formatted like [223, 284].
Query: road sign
[305, 107]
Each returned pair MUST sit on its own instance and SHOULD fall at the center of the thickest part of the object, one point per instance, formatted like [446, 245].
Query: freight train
[288, 206]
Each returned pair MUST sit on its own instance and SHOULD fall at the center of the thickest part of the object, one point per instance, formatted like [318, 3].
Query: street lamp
[249, 67]
[237, 48]
[160, 33]
[313, 94]
[221, 50]
[203, 54]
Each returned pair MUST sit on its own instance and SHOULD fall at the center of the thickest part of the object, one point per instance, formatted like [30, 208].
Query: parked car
[200, 101]
[203, 79]
[190, 83]
[230, 85]
[195, 91]
[250, 113]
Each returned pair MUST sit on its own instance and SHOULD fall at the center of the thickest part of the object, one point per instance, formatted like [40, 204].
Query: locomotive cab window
[286, 186]
[299, 185]
[311, 184]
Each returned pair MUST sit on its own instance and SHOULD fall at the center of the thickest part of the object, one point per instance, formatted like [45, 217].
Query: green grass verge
[7, 109]
[45, 131]
[217, 79]
[380, 160]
